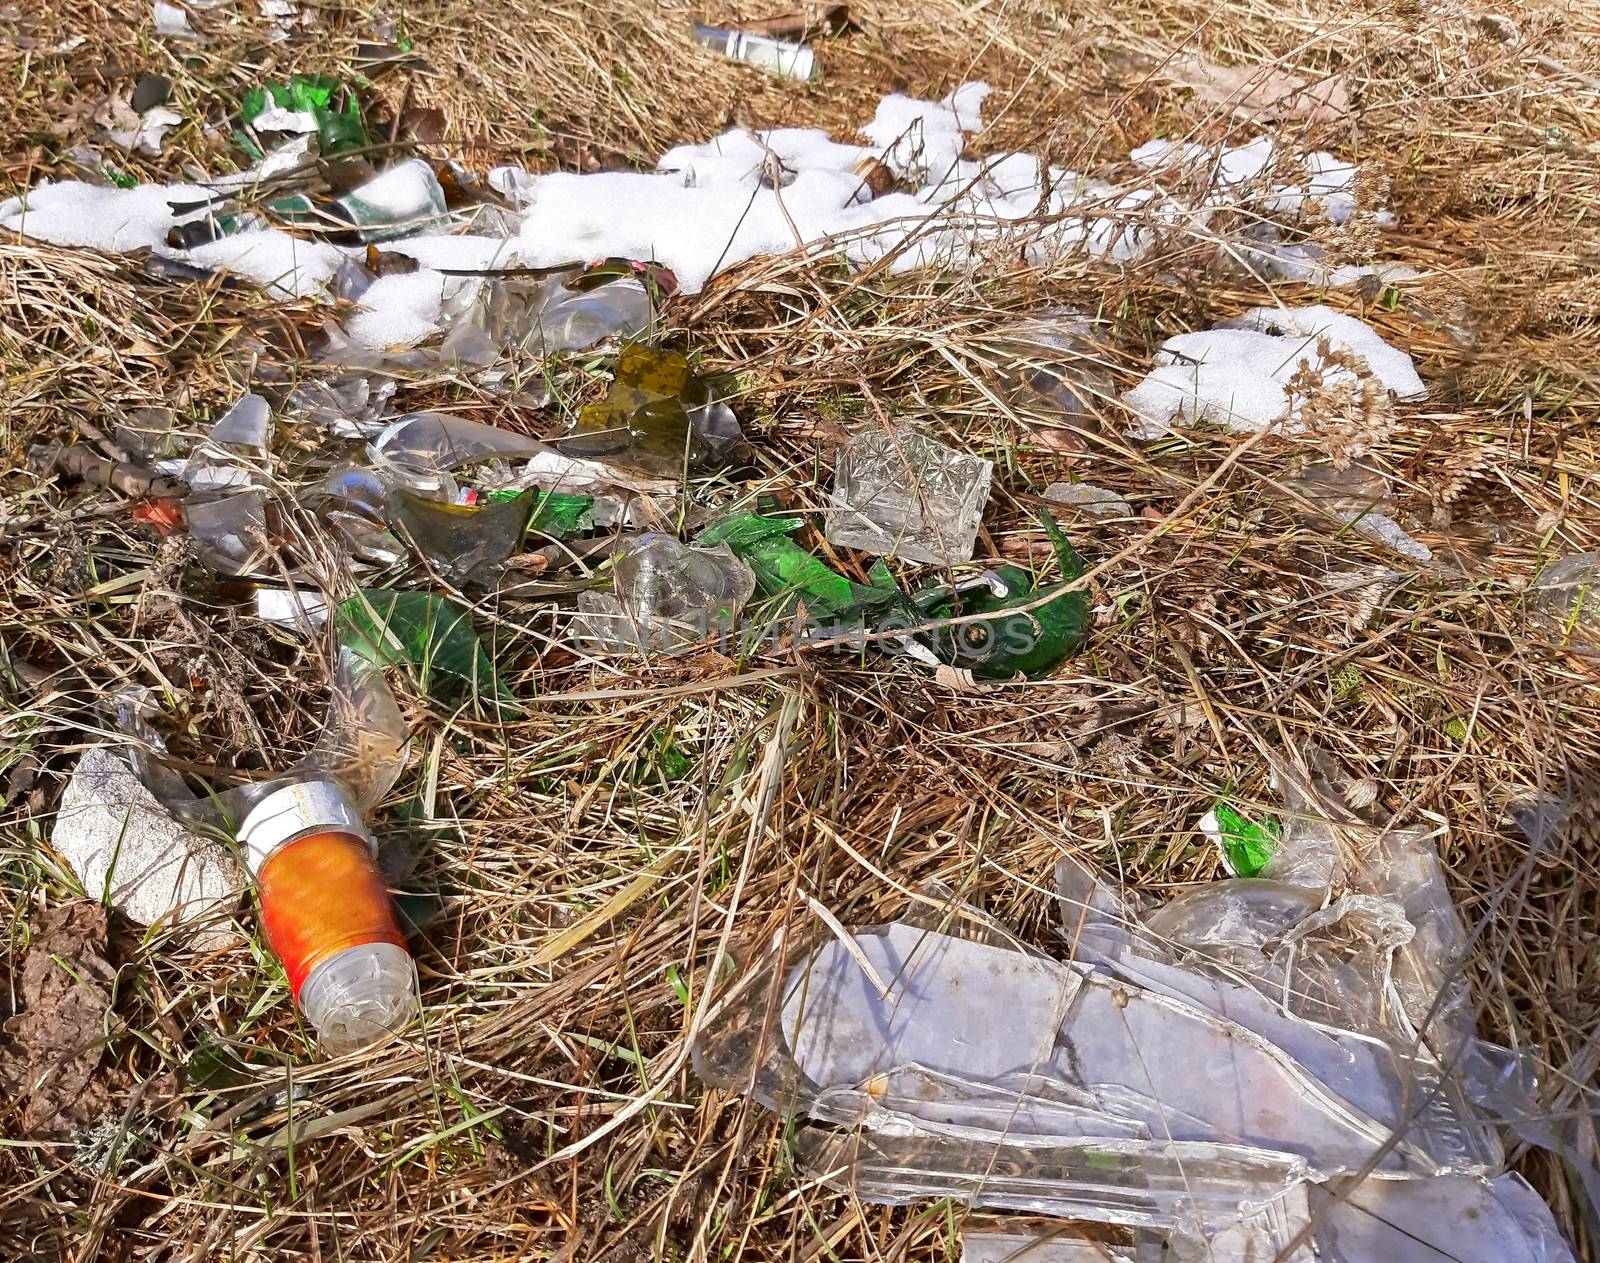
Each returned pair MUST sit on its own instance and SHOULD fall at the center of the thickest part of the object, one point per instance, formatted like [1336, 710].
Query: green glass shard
[1246, 846]
[252, 104]
[295, 208]
[429, 635]
[338, 131]
[664, 762]
[558, 514]
[306, 92]
[782, 567]
[334, 107]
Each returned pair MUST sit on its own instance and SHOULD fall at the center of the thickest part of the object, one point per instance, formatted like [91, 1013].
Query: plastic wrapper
[1402, 868]
[1309, 854]
[940, 1053]
[667, 595]
[897, 493]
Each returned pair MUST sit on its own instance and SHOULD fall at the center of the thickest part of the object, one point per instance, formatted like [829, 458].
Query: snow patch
[1236, 374]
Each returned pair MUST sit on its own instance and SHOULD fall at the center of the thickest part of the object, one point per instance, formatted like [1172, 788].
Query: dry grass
[585, 903]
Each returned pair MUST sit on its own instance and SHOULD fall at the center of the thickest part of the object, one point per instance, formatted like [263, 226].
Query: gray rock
[126, 847]
[1095, 501]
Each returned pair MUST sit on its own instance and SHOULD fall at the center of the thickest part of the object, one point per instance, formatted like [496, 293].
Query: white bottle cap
[295, 811]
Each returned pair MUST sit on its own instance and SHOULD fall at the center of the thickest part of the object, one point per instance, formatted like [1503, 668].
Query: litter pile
[1280, 1066]
[658, 454]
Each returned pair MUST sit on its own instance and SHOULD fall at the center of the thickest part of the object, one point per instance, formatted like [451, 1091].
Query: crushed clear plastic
[1568, 591]
[1049, 363]
[1257, 1069]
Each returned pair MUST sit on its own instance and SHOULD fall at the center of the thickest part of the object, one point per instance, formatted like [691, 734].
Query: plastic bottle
[776, 56]
[327, 915]
[325, 911]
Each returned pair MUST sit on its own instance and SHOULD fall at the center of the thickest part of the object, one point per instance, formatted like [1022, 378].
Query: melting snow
[710, 206]
[1235, 374]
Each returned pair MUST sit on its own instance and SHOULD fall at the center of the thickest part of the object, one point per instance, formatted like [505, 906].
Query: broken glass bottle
[234, 452]
[400, 202]
[658, 418]
[466, 542]
[1023, 629]
[666, 595]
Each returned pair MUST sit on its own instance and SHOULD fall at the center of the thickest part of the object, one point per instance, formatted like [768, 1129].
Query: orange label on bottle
[320, 895]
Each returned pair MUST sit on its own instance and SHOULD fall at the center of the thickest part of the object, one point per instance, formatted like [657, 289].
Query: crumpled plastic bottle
[325, 911]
